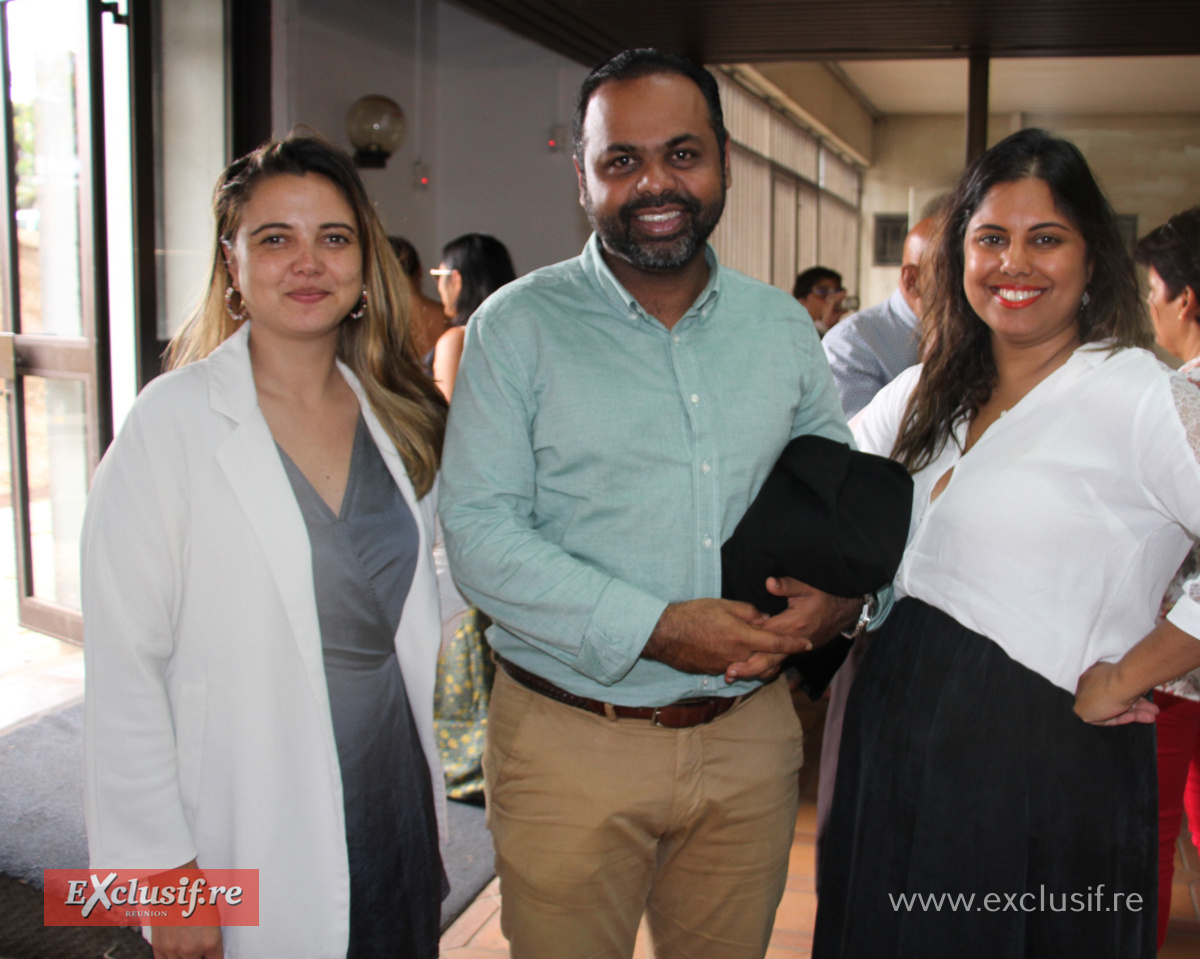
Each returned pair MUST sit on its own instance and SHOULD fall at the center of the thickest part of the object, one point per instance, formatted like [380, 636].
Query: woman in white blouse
[995, 748]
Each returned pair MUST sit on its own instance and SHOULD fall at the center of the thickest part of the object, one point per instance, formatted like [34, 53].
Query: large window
[54, 356]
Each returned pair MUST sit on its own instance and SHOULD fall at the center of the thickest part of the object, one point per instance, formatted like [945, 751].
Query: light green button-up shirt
[596, 461]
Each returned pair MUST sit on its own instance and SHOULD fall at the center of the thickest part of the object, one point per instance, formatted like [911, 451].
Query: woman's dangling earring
[361, 310]
[1084, 300]
[237, 317]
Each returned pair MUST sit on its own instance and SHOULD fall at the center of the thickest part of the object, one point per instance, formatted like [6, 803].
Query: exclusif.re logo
[143, 897]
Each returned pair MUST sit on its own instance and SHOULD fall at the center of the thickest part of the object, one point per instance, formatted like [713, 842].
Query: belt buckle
[654, 717]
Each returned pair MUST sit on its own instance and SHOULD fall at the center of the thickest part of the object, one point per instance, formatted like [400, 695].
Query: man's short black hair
[811, 277]
[644, 62]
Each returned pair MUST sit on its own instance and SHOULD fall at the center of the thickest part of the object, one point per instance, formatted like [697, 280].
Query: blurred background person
[428, 319]
[819, 289]
[873, 346]
[473, 267]
[1172, 255]
[259, 595]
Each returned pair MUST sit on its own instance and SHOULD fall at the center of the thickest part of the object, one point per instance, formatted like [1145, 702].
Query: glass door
[53, 351]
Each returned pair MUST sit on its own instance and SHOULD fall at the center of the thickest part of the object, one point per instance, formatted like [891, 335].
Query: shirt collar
[623, 302]
[899, 306]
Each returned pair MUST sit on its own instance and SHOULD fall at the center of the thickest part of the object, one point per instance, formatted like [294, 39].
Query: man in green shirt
[613, 418]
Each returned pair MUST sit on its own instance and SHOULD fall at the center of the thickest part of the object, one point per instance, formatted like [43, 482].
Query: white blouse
[1058, 532]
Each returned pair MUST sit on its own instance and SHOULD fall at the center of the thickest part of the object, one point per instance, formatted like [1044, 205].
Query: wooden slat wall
[743, 239]
[786, 208]
[839, 177]
[807, 232]
[838, 248]
[774, 223]
[748, 119]
[794, 149]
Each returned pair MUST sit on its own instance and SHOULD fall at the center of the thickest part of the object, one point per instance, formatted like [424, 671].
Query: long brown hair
[959, 371]
[377, 346]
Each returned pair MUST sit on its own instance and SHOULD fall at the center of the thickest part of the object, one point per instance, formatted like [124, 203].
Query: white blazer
[207, 726]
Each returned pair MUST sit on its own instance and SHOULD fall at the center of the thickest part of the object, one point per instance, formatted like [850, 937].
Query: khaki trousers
[596, 821]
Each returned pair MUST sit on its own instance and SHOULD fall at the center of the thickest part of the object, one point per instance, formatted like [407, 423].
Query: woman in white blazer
[241, 555]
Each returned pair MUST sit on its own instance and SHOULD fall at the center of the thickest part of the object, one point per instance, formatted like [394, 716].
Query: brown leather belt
[681, 715]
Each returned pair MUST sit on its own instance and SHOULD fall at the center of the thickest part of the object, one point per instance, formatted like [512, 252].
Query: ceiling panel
[1081, 85]
[725, 31]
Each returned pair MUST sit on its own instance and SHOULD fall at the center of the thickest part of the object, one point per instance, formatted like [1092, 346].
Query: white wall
[498, 96]
[1148, 165]
[916, 157]
[338, 51]
[479, 120]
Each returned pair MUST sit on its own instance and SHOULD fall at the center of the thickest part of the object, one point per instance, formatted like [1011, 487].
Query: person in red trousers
[1172, 253]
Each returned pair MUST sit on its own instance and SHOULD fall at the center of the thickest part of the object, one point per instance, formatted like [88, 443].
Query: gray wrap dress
[363, 563]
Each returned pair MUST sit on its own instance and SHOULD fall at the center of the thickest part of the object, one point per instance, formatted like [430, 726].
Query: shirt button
[677, 338]
[695, 399]
[708, 542]
[705, 468]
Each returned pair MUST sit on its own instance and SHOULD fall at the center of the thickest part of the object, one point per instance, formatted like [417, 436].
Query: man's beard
[649, 253]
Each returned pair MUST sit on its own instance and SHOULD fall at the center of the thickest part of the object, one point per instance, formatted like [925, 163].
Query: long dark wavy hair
[377, 346]
[959, 371]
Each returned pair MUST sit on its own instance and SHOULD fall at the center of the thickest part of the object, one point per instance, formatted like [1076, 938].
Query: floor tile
[470, 952]
[791, 939]
[642, 948]
[1180, 946]
[796, 914]
[489, 935]
[49, 677]
[782, 952]
[806, 821]
[473, 918]
[802, 860]
[1182, 906]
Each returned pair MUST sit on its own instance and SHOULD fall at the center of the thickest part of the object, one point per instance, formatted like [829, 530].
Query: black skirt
[976, 815]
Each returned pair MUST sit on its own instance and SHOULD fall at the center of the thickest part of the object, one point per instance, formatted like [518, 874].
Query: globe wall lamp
[375, 126]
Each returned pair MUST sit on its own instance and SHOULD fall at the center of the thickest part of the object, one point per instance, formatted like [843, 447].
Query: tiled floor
[476, 934]
[1183, 932]
[37, 673]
